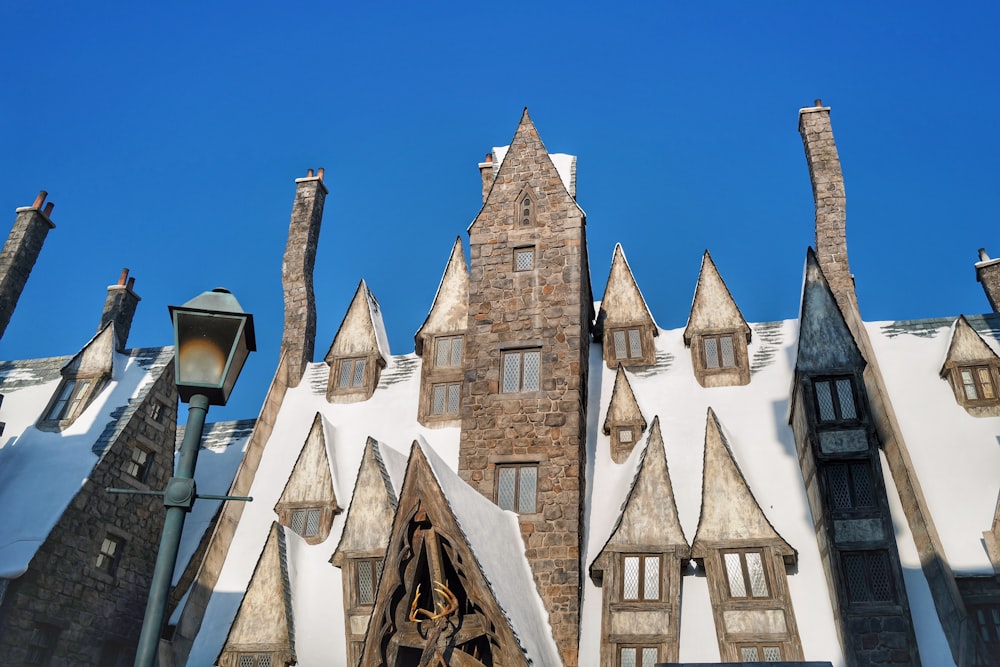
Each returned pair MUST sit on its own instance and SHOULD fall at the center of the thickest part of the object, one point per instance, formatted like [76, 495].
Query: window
[719, 352]
[977, 383]
[352, 373]
[759, 652]
[521, 370]
[156, 413]
[110, 554]
[445, 398]
[367, 572]
[637, 656]
[305, 521]
[745, 573]
[850, 485]
[987, 620]
[139, 463]
[867, 575]
[42, 644]
[448, 352]
[254, 660]
[524, 258]
[627, 343]
[526, 210]
[835, 400]
[67, 403]
[641, 578]
[626, 436]
[517, 486]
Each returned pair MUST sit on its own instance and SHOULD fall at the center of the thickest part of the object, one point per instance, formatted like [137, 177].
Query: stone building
[550, 480]
[75, 561]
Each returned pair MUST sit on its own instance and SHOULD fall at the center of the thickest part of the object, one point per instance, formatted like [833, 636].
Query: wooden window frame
[517, 467]
[975, 371]
[255, 658]
[760, 647]
[351, 383]
[72, 397]
[641, 583]
[114, 558]
[375, 566]
[868, 558]
[852, 470]
[719, 367]
[450, 341]
[524, 249]
[520, 354]
[627, 333]
[304, 513]
[141, 468]
[838, 409]
[639, 649]
[447, 388]
[747, 578]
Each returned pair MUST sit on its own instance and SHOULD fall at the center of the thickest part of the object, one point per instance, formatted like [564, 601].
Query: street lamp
[212, 339]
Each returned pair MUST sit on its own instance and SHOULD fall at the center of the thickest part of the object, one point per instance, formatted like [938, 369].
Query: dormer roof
[713, 307]
[825, 341]
[623, 407]
[311, 479]
[450, 309]
[729, 510]
[97, 356]
[623, 301]
[361, 332]
[966, 347]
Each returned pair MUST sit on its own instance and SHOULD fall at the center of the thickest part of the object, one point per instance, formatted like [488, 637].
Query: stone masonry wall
[63, 587]
[547, 307]
[299, 338]
[18, 256]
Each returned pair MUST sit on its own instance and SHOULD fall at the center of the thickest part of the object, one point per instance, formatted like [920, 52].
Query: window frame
[114, 558]
[306, 512]
[73, 395]
[869, 556]
[529, 250]
[838, 412]
[446, 387]
[520, 353]
[759, 647]
[375, 566]
[255, 658]
[851, 469]
[142, 468]
[630, 335]
[975, 371]
[717, 339]
[517, 467]
[742, 553]
[639, 648]
[351, 383]
[525, 215]
[641, 583]
[453, 343]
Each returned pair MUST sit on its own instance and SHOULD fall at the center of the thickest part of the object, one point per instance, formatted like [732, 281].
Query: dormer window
[745, 573]
[627, 343]
[448, 352]
[71, 399]
[978, 383]
[835, 400]
[352, 374]
[719, 351]
[641, 578]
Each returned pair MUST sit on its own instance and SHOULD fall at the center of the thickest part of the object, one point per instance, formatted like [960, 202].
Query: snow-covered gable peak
[450, 309]
[729, 510]
[966, 347]
[369, 518]
[623, 408]
[265, 622]
[825, 341]
[649, 514]
[713, 308]
[362, 331]
[623, 302]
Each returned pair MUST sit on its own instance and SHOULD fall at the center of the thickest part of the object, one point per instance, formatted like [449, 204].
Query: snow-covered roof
[41, 471]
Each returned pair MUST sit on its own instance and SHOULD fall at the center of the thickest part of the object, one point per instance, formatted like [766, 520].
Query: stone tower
[526, 355]
[19, 253]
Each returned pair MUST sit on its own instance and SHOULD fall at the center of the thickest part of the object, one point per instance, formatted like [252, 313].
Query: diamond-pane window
[868, 577]
[637, 656]
[850, 485]
[245, 661]
[620, 351]
[264, 660]
[726, 347]
[524, 259]
[746, 573]
[521, 370]
[845, 395]
[719, 351]
[627, 343]
[734, 571]
[305, 521]
[628, 657]
[625, 436]
[352, 373]
[772, 654]
[641, 578]
[649, 657]
[359, 373]
[825, 401]
[367, 572]
[711, 353]
[449, 352]
[630, 578]
[835, 399]
[445, 398]
[758, 582]
[517, 487]
[749, 654]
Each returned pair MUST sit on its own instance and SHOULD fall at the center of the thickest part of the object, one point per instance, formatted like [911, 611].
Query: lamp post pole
[178, 498]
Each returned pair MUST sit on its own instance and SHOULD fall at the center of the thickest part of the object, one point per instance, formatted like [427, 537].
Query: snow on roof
[956, 456]
[494, 536]
[41, 471]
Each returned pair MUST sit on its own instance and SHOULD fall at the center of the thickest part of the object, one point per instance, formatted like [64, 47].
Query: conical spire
[713, 307]
[450, 308]
[309, 489]
[624, 421]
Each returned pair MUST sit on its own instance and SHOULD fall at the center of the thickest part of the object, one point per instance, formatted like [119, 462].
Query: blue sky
[169, 136]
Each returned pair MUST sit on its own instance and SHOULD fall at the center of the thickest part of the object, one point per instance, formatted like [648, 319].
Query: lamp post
[212, 339]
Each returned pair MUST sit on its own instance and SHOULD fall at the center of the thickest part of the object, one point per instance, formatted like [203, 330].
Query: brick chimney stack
[988, 273]
[19, 253]
[299, 339]
[830, 200]
[119, 307]
[486, 173]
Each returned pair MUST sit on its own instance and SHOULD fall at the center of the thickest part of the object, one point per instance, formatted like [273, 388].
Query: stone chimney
[487, 173]
[19, 253]
[119, 307]
[830, 200]
[988, 273]
[299, 338]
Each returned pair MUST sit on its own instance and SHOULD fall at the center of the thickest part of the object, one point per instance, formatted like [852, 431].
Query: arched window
[525, 210]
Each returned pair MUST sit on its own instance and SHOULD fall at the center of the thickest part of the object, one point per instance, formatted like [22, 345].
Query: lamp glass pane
[204, 344]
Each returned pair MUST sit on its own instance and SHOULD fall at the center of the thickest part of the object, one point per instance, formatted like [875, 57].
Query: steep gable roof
[623, 406]
[311, 479]
[450, 308]
[825, 341]
[966, 346]
[649, 514]
[713, 307]
[361, 332]
[623, 301]
[729, 510]
[96, 357]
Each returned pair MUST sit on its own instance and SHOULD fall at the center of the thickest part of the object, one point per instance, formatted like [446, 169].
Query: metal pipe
[178, 498]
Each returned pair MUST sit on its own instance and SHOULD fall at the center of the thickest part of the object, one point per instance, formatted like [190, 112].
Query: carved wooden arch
[433, 609]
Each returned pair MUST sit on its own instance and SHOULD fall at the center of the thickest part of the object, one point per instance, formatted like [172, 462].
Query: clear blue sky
[169, 136]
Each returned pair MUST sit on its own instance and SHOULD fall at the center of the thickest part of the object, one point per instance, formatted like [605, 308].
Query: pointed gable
[967, 347]
[96, 359]
[455, 580]
[264, 623]
[624, 321]
[729, 511]
[825, 341]
[450, 310]
[308, 502]
[713, 308]
[359, 351]
[973, 370]
[624, 421]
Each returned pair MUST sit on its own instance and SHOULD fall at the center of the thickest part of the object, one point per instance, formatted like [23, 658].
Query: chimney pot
[309, 173]
[983, 257]
[40, 199]
[131, 284]
[48, 209]
[489, 157]
[123, 277]
[818, 103]
[320, 173]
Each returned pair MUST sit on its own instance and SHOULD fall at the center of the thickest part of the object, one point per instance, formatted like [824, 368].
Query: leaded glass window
[640, 577]
[637, 656]
[627, 343]
[760, 653]
[719, 351]
[524, 258]
[305, 521]
[448, 352]
[850, 485]
[521, 370]
[445, 398]
[745, 573]
[517, 487]
[835, 399]
[868, 578]
[367, 572]
[352, 373]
